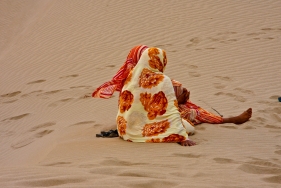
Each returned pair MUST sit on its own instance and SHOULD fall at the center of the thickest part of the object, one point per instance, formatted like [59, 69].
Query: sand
[53, 52]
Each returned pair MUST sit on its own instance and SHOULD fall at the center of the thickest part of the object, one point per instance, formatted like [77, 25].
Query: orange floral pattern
[125, 101]
[128, 79]
[156, 128]
[176, 104]
[173, 138]
[155, 105]
[121, 125]
[164, 58]
[149, 79]
[155, 61]
[154, 140]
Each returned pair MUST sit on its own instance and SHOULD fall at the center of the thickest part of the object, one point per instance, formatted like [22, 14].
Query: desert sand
[53, 52]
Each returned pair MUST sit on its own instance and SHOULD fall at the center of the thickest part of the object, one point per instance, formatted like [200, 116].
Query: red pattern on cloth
[193, 113]
[107, 89]
[198, 115]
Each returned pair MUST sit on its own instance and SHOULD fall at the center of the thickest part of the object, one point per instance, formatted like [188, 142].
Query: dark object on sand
[279, 99]
[108, 134]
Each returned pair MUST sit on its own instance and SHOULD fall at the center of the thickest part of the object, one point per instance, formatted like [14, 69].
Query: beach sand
[53, 52]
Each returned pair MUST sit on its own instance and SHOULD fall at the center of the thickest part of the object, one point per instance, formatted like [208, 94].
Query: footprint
[267, 29]
[194, 74]
[117, 162]
[224, 160]
[232, 40]
[278, 152]
[275, 117]
[11, 94]
[22, 143]
[36, 82]
[275, 97]
[229, 126]
[214, 39]
[227, 33]
[51, 182]
[276, 110]
[58, 164]
[60, 101]
[194, 41]
[50, 92]
[200, 175]
[44, 125]
[188, 155]
[84, 123]
[272, 127]
[84, 87]
[10, 101]
[69, 76]
[219, 85]
[273, 179]
[178, 174]
[143, 174]
[256, 34]
[43, 133]
[235, 97]
[266, 102]
[259, 166]
[249, 127]
[224, 78]
[17, 117]
[27, 94]
[244, 91]
[269, 38]
[89, 166]
[110, 66]
[255, 169]
[156, 181]
[29, 140]
[192, 66]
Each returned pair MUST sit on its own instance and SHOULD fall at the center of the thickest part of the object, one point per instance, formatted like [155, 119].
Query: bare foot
[242, 118]
[187, 143]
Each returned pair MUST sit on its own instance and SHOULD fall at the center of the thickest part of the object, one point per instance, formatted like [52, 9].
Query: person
[189, 111]
[148, 108]
[197, 115]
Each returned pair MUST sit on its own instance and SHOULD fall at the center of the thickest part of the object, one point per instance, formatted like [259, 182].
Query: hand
[187, 143]
[183, 98]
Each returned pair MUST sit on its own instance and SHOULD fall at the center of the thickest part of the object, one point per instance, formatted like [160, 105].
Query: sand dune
[52, 53]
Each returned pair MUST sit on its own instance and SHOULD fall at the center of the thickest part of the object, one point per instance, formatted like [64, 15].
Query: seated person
[196, 115]
[148, 108]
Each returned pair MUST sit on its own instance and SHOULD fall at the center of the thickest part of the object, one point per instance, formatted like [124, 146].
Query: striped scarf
[107, 89]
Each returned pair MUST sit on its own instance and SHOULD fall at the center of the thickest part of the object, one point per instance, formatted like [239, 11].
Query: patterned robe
[148, 109]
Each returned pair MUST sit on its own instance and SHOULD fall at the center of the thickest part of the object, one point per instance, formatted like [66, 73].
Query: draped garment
[148, 109]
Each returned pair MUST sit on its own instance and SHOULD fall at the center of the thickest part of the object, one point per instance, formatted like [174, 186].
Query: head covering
[107, 89]
[148, 109]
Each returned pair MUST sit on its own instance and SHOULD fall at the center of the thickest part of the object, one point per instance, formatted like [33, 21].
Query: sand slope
[52, 53]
